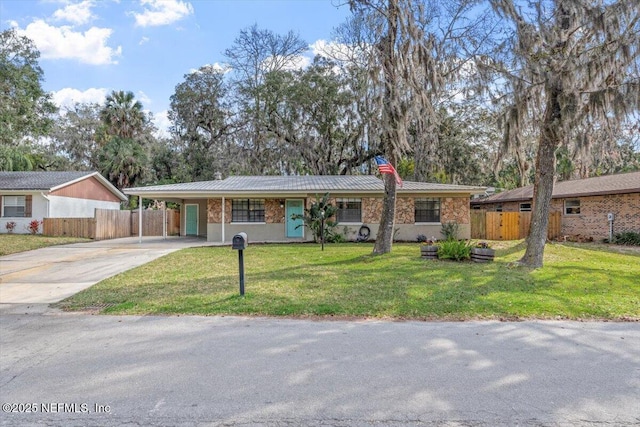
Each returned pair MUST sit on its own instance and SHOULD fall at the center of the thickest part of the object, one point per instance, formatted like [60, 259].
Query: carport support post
[139, 219]
[222, 219]
[164, 220]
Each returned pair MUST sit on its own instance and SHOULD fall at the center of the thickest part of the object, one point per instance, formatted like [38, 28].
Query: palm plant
[122, 114]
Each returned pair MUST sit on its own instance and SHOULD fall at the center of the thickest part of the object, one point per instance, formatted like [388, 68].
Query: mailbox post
[240, 243]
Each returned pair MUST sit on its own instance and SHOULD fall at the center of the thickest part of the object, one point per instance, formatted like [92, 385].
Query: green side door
[191, 221]
[294, 227]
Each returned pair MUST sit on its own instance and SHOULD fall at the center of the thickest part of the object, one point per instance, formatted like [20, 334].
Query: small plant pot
[482, 254]
[429, 252]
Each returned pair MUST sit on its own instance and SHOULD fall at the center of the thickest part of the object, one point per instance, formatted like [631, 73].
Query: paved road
[229, 371]
[51, 274]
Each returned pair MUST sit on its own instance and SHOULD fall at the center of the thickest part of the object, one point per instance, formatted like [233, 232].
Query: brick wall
[592, 220]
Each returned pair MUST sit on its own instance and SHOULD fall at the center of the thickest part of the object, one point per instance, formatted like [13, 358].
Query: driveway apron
[54, 273]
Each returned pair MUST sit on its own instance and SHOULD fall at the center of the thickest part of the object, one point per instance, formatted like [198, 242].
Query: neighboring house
[28, 196]
[585, 204]
[262, 206]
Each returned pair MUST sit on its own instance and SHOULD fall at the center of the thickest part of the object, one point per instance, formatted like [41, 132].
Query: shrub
[10, 226]
[627, 238]
[34, 226]
[450, 230]
[320, 213]
[457, 250]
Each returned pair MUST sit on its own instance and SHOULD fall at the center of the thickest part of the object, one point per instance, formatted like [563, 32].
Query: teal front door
[191, 221]
[294, 226]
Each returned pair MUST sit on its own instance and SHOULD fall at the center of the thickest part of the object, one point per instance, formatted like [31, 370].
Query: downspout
[48, 203]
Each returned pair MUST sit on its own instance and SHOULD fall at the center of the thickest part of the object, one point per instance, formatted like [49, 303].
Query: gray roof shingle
[316, 183]
[37, 180]
[600, 185]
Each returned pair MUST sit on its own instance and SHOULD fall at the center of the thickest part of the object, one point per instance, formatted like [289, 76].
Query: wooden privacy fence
[70, 227]
[152, 222]
[509, 225]
[112, 224]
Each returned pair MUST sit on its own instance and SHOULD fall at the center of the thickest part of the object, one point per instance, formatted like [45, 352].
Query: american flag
[385, 167]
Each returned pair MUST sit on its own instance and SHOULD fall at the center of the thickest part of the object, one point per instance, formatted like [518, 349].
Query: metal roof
[296, 184]
[600, 185]
[48, 181]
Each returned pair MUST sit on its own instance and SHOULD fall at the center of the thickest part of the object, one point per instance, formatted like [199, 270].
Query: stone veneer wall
[273, 213]
[451, 209]
[455, 209]
[371, 210]
[405, 210]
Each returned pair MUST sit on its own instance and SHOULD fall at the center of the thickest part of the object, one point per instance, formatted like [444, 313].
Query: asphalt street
[88, 370]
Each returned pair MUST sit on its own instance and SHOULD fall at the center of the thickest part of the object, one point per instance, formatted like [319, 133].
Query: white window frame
[15, 204]
[525, 209]
[565, 207]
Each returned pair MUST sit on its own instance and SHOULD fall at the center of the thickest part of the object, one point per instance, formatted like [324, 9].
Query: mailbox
[239, 241]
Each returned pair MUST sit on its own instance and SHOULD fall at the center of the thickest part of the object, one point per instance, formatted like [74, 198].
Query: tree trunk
[392, 122]
[550, 137]
[384, 238]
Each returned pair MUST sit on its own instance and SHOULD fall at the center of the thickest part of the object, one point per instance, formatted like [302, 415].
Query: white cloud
[143, 98]
[162, 123]
[162, 12]
[220, 68]
[143, 40]
[89, 47]
[67, 97]
[337, 51]
[278, 62]
[78, 13]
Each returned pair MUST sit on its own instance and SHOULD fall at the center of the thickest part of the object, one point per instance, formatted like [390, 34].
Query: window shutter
[1, 211]
[27, 206]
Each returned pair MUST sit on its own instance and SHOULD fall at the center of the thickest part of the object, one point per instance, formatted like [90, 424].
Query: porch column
[139, 219]
[223, 219]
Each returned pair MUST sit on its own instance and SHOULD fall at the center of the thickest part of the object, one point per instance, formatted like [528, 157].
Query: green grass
[345, 280]
[13, 243]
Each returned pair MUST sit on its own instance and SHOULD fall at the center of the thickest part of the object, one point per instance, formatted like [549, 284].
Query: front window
[427, 210]
[349, 210]
[247, 210]
[14, 206]
[525, 207]
[572, 207]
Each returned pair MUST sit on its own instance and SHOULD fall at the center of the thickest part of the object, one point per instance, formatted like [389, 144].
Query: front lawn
[13, 243]
[345, 280]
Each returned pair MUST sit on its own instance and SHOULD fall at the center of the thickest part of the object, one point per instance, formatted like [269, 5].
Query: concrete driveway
[54, 273]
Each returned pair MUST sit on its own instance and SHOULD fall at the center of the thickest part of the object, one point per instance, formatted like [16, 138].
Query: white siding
[38, 211]
[69, 207]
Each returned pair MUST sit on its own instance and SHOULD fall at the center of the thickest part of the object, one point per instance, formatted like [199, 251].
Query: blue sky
[91, 47]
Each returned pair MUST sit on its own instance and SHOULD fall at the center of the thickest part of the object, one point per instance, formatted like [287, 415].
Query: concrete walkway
[54, 273]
